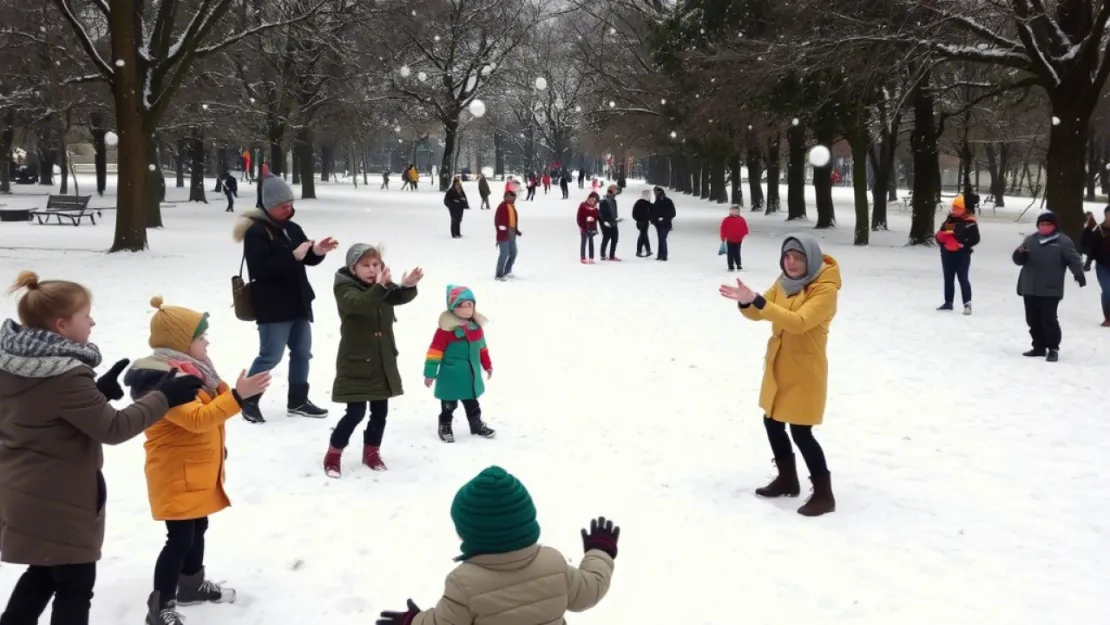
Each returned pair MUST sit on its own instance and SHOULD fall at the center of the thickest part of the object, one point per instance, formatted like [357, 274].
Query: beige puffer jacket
[530, 586]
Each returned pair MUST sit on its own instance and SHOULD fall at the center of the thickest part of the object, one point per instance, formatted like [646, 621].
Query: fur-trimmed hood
[248, 219]
[449, 322]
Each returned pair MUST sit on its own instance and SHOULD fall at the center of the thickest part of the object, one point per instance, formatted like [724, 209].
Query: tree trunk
[296, 165]
[882, 164]
[997, 164]
[755, 177]
[796, 172]
[275, 132]
[923, 145]
[822, 177]
[196, 171]
[718, 192]
[1092, 168]
[100, 151]
[155, 188]
[7, 139]
[857, 141]
[327, 162]
[1066, 160]
[774, 166]
[179, 161]
[498, 155]
[306, 162]
[705, 170]
[446, 164]
[47, 159]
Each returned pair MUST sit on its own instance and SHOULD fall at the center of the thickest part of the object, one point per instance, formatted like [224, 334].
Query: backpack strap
[243, 262]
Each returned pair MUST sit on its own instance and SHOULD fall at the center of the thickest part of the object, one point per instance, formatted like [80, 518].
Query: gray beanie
[356, 252]
[274, 192]
[793, 245]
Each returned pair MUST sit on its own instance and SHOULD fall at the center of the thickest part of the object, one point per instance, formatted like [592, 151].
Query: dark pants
[230, 201]
[643, 243]
[456, 221]
[803, 437]
[732, 251]
[447, 410]
[1044, 326]
[485, 203]
[183, 554]
[1102, 272]
[356, 412]
[587, 241]
[956, 266]
[581, 183]
[661, 231]
[71, 586]
[566, 190]
[259, 203]
[273, 338]
[609, 237]
[531, 193]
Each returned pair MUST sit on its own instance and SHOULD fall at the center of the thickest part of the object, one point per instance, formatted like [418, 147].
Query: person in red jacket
[588, 216]
[546, 182]
[733, 230]
[505, 220]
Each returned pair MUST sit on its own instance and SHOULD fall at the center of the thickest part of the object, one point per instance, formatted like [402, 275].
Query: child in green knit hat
[503, 572]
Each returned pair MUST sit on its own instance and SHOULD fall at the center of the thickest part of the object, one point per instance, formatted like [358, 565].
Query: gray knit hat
[357, 251]
[275, 192]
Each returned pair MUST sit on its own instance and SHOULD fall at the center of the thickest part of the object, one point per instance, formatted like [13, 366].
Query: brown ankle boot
[785, 483]
[822, 500]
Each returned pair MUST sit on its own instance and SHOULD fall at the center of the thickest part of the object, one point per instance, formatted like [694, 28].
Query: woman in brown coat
[54, 418]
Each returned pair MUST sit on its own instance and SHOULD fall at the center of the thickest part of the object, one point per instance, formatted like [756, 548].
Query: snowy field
[968, 479]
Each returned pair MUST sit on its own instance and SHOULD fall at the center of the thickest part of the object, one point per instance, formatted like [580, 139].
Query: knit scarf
[32, 353]
[207, 370]
[1043, 240]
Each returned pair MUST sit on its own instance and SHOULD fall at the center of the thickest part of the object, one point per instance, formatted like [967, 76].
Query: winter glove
[399, 618]
[1081, 280]
[179, 390]
[519, 233]
[603, 535]
[1087, 265]
[108, 384]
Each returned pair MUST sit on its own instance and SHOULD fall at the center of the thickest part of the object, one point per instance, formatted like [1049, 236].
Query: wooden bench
[75, 208]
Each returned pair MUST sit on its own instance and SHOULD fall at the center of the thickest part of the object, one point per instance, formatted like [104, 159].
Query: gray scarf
[32, 353]
[211, 379]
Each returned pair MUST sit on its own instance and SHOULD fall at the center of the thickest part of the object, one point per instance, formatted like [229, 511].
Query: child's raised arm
[439, 345]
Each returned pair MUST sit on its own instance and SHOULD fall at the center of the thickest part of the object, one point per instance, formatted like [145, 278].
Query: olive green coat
[366, 365]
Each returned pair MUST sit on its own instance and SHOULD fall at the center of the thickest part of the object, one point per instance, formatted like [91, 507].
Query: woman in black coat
[456, 203]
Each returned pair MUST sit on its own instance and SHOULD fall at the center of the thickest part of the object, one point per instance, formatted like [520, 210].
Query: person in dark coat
[455, 201]
[662, 216]
[610, 230]
[564, 184]
[1096, 244]
[483, 192]
[263, 173]
[641, 214]
[276, 251]
[1044, 256]
[366, 371]
[231, 190]
[582, 178]
[958, 236]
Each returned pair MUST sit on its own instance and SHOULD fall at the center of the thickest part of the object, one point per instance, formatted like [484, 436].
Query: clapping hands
[324, 246]
[739, 293]
[412, 278]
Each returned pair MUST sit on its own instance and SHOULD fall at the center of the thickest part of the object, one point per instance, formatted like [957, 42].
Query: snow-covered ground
[970, 481]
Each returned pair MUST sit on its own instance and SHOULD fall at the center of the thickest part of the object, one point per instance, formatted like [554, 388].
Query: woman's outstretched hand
[739, 293]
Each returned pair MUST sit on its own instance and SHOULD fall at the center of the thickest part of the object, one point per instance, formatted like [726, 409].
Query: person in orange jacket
[185, 455]
[957, 236]
[733, 230]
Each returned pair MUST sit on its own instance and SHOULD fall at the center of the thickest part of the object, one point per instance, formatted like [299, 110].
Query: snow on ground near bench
[970, 481]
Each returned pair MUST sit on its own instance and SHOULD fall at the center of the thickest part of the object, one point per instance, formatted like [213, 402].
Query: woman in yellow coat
[800, 306]
[185, 457]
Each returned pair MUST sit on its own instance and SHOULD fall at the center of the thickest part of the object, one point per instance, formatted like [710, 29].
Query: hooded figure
[800, 306]
[1044, 257]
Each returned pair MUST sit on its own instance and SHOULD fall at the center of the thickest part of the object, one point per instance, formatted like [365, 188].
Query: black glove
[1087, 265]
[108, 384]
[399, 618]
[1081, 280]
[179, 390]
[603, 535]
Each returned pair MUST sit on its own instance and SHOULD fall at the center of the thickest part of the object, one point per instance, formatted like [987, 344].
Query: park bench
[74, 208]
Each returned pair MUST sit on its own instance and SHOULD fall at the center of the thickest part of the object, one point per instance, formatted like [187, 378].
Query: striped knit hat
[457, 294]
[493, 513]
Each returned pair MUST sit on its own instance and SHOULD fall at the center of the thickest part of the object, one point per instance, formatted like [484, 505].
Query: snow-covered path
[970, 481]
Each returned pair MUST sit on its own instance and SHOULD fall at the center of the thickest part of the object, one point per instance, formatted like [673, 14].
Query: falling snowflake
[486, 70]
[151, 167]
[663, 101]
[477, 108]
[119, 63]
[405, 71]
[612, 31]
[674, 135]
[111, 138]
[612, 104]
[794, 122]
[541, 83]
[422, 76]
[1055, 121]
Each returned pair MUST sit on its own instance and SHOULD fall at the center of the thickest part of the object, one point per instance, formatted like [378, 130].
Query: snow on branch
[84, 39]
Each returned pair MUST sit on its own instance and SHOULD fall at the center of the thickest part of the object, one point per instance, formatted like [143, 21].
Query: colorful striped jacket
[457, 357]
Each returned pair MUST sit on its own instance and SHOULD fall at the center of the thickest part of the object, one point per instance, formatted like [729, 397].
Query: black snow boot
[251, 412]
[822, 500]
[195, 589]
[160, 612]
[299, 405]
[477, 426]
[1052, 355]
[446, 416]
[785, 483]
[1036, 352]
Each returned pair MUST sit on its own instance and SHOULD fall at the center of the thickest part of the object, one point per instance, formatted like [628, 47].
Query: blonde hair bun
[26, 280]
[156, 301]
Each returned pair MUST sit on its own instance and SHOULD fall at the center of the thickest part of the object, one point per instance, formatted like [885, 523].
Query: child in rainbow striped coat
[454, 363]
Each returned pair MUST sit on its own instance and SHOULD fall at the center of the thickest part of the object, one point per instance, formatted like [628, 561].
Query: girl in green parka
[366, 370]
[454, 363]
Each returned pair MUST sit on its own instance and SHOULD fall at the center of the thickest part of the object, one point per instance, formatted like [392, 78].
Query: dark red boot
[785, 483]
[372, 457]
[822, 500]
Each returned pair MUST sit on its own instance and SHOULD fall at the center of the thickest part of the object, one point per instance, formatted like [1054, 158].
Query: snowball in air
[477, 108]
[405, 71]
[111, 138]
[396, 129]
[819, 156]
[1055, 121]
[422, 76]
[119, 62]
[150, 167]
[612, 104]
[663, 101]
[674, 135]
[578, 109]
[612, 31]
[794, 122]
[486, 70]
[541, 83]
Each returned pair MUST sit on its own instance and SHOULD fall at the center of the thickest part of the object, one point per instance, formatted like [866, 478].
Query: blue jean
[956, 266]
[506, 256]
[273, 338]
[1102, 272]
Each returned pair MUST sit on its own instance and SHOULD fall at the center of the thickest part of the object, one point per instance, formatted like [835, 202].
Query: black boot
[196, 589]
[785, 483]
[251, 412]
[1052, 355]
[822, 500]
[477, 426]
[300, 405]
[160, 612]
[1036, 352]
[446, 416]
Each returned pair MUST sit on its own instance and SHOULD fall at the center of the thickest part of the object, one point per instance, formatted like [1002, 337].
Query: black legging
[803, 437]
[456, 221]
[609, 237]
[69, 585]
[183, 554]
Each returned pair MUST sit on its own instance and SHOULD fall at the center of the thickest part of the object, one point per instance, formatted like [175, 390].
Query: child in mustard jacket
[185, 455]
